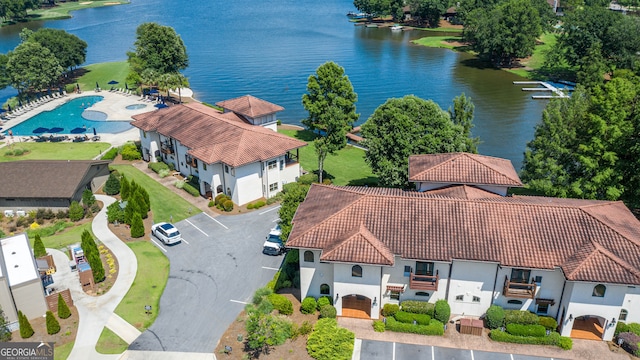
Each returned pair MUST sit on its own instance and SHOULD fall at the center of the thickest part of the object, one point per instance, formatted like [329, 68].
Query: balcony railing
[519, 290]
[424, 282]
[166, 149]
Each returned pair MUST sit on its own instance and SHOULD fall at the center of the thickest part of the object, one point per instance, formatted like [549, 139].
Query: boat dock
[544, 87]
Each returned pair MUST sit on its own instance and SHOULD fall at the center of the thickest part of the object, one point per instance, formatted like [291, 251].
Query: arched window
[599, 290]
[325, 289]
[623, 315]
[356, 271]
[308, 256]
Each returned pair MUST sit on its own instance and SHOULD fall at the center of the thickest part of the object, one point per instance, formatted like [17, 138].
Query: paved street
[380, 350]
[214, 272]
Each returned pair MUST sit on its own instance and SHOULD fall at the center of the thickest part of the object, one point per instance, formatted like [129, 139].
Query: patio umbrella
[94, 132]
[97, 86]
[78, 130]
[153, 91]
[8, 107]
[19, 102]
[78, 86]
[112, 82]
[40, 130]
[55, 130]
[126, 86]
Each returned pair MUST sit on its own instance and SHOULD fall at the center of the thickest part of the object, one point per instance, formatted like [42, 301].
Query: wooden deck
[587, 329]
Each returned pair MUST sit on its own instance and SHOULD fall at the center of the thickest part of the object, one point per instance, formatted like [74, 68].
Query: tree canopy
[428, 11]
[13, 10]
[158, 48]
[69, 49]
[330, 101]
[408, 126]
[31, 65]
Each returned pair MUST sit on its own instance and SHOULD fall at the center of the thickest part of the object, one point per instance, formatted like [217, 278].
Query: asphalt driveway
[213, 274]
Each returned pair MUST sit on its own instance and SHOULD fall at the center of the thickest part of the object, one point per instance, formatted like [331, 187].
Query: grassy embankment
[63, 10]
[347, 167]
[110, 343]
[54, 151]
[102, 73]
[62, 352]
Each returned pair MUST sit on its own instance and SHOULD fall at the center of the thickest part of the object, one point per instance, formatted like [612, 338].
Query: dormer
[255, 111]
[435, 171]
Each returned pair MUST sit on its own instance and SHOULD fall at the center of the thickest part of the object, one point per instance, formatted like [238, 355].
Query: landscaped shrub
[88, 199]
[378, 326]
[63, 308]
[281, 303]
[417, 307]
[630, 342]
[53, 326]
[179, 184]
[322, 301]
[566, 343]
[164, 173]
[220, 198]
[526, 330]
[115, 213]
[548, 322]
[305, 329]
[308, 179]
[435, 327]
[390, 309]
[621, 328]
[520, 317]
[259, 204]
[308, 305]
[553, 339]
[112, 186]
[494, 317]
[330, 342]
[137, 226]
[228, 205]
[111, 154]
[157, 166]
[62, 214]
[26, 331]
[130, 152]
[92, 255]
[409, 318]
[328, 311]
[38, 247]
[76, 211]
[634, 328]
[442, 311]
[191, 190]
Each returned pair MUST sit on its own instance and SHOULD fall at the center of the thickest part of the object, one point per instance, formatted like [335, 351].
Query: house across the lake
[460, 237]
[236, 151]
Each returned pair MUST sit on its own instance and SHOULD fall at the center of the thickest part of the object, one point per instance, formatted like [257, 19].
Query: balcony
[166, 149]
[424, 282]
[518, 290]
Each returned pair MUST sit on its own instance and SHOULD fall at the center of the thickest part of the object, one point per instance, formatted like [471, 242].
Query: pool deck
[114, 105]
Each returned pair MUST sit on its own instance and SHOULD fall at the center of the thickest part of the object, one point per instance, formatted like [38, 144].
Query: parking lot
[214, 273]
[380, 350]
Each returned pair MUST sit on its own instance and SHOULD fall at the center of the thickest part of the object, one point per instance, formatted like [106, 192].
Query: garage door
[357, 306]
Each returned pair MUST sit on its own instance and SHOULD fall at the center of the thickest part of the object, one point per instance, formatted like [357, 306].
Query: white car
[167, 233]
[277, 231]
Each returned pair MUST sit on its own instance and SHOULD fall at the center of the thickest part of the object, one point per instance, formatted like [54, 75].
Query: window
[520, 276]
[599, 290]
[623, 315]
[281, 164]
[394, 295]
[308, 256]
[233, 171]
[273, 187]
[543, 308]
[422, 293]
[407, 271]
[424, 268]
[272, 164]
[459, 297]
[356, 271]
[515, 302]
[537, 280]
[324, 288]
[476, 299]
[226, 169]
[144, 133]
[204, 166]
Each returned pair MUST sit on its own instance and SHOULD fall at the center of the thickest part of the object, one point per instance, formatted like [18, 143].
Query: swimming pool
[69, 116]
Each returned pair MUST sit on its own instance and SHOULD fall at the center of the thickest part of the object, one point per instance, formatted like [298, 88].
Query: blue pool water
[69, 116]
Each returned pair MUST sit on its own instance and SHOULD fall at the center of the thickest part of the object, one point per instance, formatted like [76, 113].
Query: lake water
[268, 48]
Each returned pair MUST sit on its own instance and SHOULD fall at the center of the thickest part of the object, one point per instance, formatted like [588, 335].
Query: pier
[544, 87]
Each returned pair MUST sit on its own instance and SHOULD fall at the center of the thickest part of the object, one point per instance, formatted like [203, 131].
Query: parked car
[167, 233]
[277, 231]
[273, 245]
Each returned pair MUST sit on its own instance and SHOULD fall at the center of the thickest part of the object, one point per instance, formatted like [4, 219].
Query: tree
[115, 213]
[159, 48]
[462, 114]
[428, 11]
[26, 331]
[38, 247]
[112, 186]
[92, 254]
[141, 205]
[331, 105]
[5, 334]
[76, 211]
[294, 194]
[137, 226]
[125, 189]
[30, 65]
[53, 326]
[88, 198]
[407, 126]
[377, 7]
[69, 49]
[63, 308]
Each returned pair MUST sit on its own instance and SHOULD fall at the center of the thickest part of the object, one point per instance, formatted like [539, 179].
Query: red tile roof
[250, 106]
[590, 240]
[462, 168]
[214, 137]
[359, 246]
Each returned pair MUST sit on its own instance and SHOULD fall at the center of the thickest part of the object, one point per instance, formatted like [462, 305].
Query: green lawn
[61, 240]
[102, 73]
[347, 167]
[54, 151]
[445, 42]
[164, 203]
[62, 352]
[150, 281]
[62, 10]
[110, 343]
[535, 62]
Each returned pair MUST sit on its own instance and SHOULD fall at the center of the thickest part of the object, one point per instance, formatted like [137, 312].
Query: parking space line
[471, 354]
[239, 302]
[433, 353]
[393, 356]
[276, 220]
[511, 356]
[270, 268]
[266, 211]
[158, 245]
[219, 223]
[197, 228]
[185, 241]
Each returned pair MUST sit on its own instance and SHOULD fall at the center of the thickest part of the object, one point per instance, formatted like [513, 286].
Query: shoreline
[63, 11]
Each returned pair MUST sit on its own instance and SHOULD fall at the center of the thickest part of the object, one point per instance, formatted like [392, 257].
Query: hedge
[435, 327]
[553, 339]
[417, 307]
[322, 301]
[621, 328]
[378, 325]
[281, 303]
[111, 154]
[308, 305]
[191, 190]
[328, 311]
[390, 309]
[520, 317]
[442, 311]
[330, 342]
[130, 152]
[526, 330]
[157, 166]
[409, 318]
[634, 328]
[494, 317]
[548, 322]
